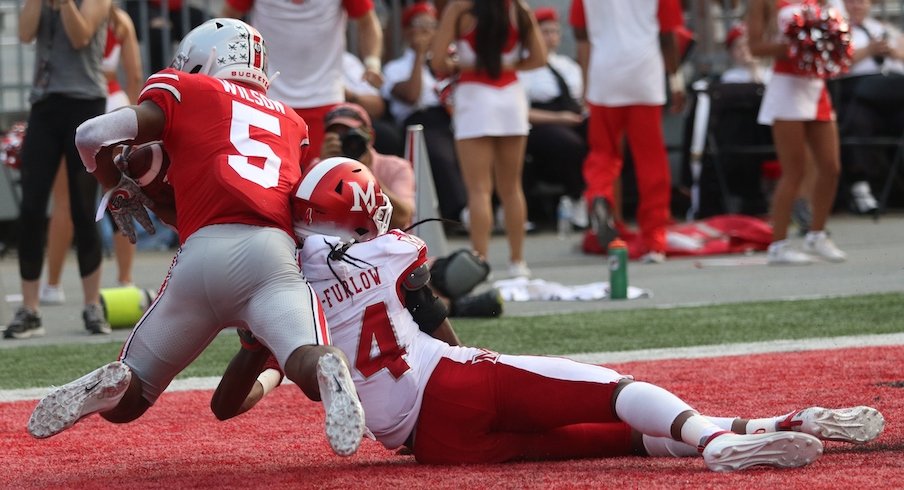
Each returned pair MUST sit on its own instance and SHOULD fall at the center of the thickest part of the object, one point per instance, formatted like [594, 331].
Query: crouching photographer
[349, 133]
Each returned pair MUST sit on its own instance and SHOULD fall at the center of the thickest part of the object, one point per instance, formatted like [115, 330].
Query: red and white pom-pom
[11, 145]
[820, 42]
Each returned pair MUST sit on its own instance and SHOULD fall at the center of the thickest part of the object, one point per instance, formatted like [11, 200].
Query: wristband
[676, 82]
[373, 63]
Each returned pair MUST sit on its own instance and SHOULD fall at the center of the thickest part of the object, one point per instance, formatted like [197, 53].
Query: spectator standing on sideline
[349, 134]
[412, 92]
[121, 44]
[387, 135]
[801, 115]
[307, 40]
[746, 68]
[493, 39]
[234, 165]
[452, 404]
[69, 87]
[557, 142]
[626, 49]
[876, 105]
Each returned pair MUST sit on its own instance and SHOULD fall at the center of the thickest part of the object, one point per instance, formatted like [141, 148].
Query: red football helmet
[340, 197]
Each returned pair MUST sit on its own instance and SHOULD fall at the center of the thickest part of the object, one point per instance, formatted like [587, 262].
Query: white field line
[209, 383]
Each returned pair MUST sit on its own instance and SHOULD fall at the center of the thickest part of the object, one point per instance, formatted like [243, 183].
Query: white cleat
[97, 391]
[344, 414]
[857, 425]
[733, 452]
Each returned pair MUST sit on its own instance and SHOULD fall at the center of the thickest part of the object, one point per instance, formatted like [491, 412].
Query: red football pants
[492, 412]
[643, 124]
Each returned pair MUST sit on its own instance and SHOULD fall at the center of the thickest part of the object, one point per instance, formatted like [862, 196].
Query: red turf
[280, 444]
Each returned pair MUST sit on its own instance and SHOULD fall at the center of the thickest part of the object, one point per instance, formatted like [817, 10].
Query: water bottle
[618, 269]
[563, 214]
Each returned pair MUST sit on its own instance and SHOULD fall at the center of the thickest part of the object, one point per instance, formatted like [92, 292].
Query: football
[147, 165]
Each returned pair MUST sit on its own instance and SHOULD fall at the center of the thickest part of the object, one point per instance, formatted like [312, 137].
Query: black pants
[862, 119]
[51, 135]
[557, 155]
[450, 188]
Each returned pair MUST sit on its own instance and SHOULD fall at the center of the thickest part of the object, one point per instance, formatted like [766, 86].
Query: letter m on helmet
[367, 198]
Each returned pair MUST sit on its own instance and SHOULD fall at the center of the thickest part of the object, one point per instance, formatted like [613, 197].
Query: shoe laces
[23, 315]
[94, 314]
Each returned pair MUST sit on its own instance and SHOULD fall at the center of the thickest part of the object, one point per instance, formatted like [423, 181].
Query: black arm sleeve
[426, 309]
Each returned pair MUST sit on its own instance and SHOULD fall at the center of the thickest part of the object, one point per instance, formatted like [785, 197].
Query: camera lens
[354, 143]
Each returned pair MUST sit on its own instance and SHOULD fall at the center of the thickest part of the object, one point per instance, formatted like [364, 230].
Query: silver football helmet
[224, 48]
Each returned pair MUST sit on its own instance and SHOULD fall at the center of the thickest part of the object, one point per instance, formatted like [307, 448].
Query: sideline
[721, 350]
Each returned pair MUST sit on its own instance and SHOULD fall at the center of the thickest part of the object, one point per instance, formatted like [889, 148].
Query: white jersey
[391, 358]
[305, 42]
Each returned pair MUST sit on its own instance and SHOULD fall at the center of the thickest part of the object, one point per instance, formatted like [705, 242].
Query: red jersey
[234, 153]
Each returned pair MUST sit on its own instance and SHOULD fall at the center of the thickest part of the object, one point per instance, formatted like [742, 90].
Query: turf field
[280, 444]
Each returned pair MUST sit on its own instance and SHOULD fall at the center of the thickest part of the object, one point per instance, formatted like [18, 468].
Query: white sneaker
[819, 244]
[858, 425]
[519, 269]
[862, 198]
[653, 258]
[579, 216]
[97, 391]
[733, 452]
[782, 253]
[52, 295]
[344, 414]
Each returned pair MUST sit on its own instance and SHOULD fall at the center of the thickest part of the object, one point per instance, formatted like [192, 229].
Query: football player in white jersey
[452, 404]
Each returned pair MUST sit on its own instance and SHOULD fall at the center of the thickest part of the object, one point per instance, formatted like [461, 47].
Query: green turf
[612, 330]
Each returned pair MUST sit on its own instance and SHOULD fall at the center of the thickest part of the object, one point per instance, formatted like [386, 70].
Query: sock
[666, 446]
[724, 423]
[768, 424]
[697, 431]
[812, 236]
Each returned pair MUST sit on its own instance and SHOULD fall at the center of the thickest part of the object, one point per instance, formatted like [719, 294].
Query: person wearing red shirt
[234, 163]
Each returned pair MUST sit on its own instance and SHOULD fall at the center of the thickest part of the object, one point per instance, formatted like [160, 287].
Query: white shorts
[485, 110]
[224, 276]
[794, 98]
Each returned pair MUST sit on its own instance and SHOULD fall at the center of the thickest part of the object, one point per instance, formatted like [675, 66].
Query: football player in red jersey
[452, 404]
[235, 157]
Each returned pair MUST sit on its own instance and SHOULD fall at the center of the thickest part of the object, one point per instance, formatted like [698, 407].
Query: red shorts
[518, 408]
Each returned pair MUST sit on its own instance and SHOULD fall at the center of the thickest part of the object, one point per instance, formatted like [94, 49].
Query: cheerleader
[801, 115]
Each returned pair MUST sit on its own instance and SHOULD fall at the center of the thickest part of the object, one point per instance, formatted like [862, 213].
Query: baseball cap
[545, 14]
[348, 114]
[415, 9]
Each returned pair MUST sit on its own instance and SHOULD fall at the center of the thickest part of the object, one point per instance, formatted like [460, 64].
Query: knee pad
[456, 275]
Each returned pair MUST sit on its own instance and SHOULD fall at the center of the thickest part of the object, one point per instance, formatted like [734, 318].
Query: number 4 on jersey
[376, 329]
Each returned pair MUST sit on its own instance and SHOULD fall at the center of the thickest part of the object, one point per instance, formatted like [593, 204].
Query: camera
[354, 143]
